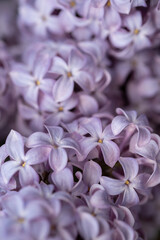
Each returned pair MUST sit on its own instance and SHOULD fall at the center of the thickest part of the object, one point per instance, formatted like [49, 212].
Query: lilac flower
[71, 72]
[40, 19]
[31, 77]
[129, 185]
[138, 34]
[151, 153]
[21, 162]
[56, 143]
[101, 138]
[58, 112]
[131, 122]
[15, 208]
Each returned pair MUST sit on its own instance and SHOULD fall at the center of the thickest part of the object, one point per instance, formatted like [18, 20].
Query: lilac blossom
[55, 142]
[21, 162]
[70, 72]
[129, 120]
[101, 138]
[127, 185]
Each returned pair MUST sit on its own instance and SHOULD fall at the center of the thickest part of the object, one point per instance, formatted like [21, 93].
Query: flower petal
[110, 152]
[63, 179]
[8, 169]
[15, 139]
[38, 139]
[130, 167]
[58, 159]
[112, 186]
[91, 173]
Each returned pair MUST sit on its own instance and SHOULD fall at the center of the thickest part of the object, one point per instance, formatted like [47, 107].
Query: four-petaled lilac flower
[40, 17]
[31, 77]
[21, 162]
[137, 35]
[56, 143]
[128, 186]
[128, 120]
[70, 72]
[101, 138]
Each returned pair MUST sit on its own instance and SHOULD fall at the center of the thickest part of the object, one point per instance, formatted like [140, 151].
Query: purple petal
[13, 205]
[21, 79]
[130, 197]
[88, 226]
[91, 173]
[37, 155]
[155, 177]
[69, 143]
[112, 186]
[76, 60]
[119, 123]
[27, 175]
[130, 167]
[63, 89]
[58, 159]
[94, 127]
[126, 230]
[38, 139]
[56, 133]
[8, 169]
[121, 38]
[144, 136]
[3, 153]
[15, 139]
[110, 152]
[63, 179]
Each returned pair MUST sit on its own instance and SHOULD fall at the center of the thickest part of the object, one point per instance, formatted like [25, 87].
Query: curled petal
[119, 123]
[144, 136]
[130, 167]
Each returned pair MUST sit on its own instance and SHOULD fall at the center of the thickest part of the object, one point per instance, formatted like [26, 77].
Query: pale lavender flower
[31, 77]
[129, 120]
[128, 186]
[56, 143]
[101, 138]
[137, 36]
[41, 19]
[71, 71]
[21, 162]
[57, 112]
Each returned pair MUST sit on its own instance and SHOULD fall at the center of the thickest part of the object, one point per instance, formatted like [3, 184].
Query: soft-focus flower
[21, 162]
[129, 185]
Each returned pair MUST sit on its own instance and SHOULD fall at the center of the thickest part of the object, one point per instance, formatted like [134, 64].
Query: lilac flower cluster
[76, 161]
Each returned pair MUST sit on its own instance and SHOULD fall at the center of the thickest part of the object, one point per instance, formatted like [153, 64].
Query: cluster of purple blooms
[76, 161]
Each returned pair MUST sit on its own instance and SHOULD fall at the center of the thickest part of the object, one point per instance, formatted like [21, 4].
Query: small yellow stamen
[72, 4]
[136, 31]
[100, 141]
[127, 182]
[24, 164]
[60, 109]
[44, 18]
[108, 3]
[38, 83]
[69, 74]
[20, 220]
